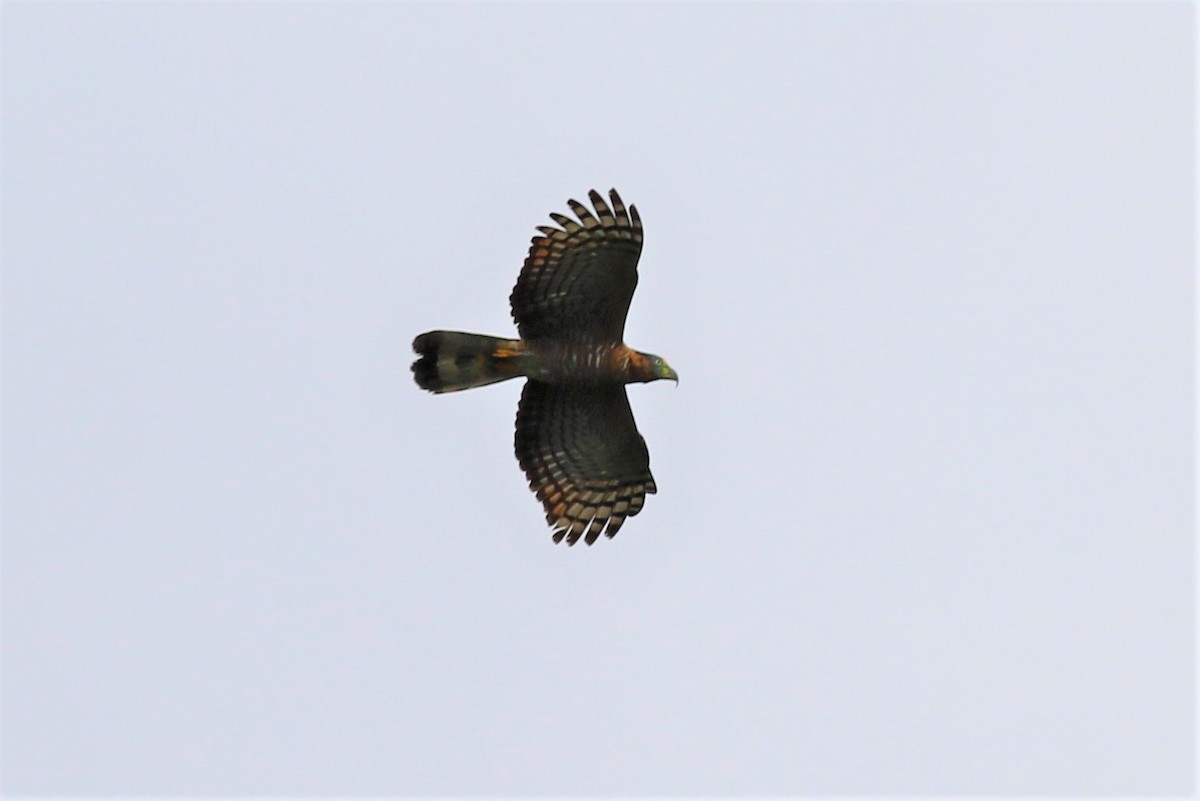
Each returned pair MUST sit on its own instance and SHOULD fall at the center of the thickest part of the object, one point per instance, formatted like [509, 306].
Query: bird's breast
[581, 363]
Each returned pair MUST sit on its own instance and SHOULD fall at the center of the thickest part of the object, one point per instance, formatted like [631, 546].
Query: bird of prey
[576, 438]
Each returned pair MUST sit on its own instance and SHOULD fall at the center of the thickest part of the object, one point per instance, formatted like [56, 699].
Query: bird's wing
[581, 450]
[578, 279]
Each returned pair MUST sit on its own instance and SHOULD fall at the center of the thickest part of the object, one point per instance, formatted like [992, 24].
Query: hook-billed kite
[576, 438]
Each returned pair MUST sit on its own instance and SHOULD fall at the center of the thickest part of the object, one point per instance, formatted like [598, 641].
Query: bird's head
[659, 369]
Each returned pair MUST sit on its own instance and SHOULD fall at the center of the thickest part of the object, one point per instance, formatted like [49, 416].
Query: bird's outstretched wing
[583, 455]
[578, 279]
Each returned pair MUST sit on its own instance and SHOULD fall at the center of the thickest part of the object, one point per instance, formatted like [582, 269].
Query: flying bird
[576, 438]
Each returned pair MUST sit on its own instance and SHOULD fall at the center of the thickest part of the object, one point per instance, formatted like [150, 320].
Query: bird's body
[464, 361]
[576, 438]
[588, 364]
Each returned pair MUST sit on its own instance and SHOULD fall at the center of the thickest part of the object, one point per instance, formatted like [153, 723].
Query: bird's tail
[451, 360]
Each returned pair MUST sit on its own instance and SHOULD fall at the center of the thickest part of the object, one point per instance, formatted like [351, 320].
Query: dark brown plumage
[576, 438]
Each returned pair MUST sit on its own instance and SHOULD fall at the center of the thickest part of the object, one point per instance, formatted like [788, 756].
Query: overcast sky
[924, 521]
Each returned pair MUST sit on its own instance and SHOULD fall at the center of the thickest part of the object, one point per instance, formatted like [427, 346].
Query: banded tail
[452, 361]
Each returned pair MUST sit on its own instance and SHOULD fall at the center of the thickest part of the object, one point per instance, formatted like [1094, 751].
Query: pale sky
[925, 515]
